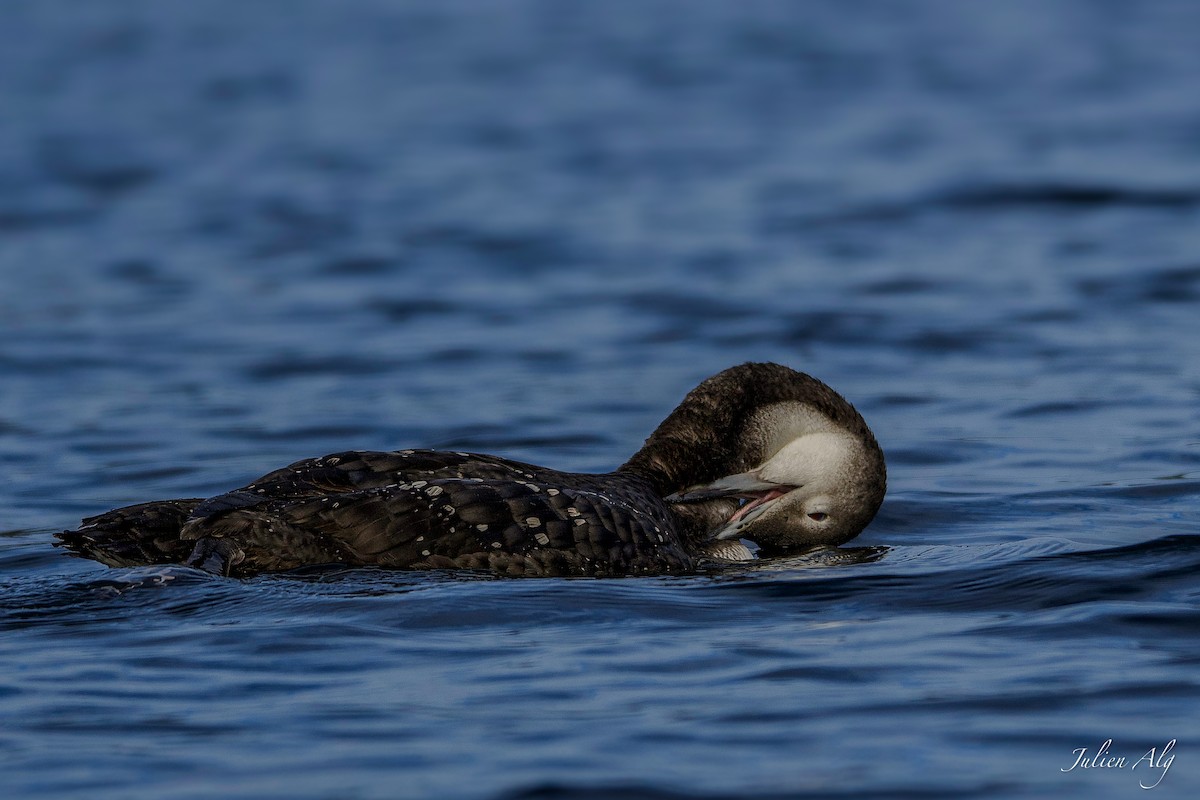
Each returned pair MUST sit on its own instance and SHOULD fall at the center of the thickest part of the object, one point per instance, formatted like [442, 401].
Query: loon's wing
[512, 527]
[150, 533]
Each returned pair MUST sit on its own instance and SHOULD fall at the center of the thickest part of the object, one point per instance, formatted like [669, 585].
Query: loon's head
[813, 481]
[800, 457]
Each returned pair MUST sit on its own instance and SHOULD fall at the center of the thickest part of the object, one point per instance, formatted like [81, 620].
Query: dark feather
[147, 533]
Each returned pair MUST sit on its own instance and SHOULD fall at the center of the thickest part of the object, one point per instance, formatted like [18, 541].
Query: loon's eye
[818, 516]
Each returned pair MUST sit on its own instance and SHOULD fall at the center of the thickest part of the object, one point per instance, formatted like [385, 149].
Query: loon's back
[407, 509]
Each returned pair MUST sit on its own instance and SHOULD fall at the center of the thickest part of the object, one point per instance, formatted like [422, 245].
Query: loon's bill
[757, 493]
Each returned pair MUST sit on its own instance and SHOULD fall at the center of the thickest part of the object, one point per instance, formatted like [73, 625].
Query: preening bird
[758, 452]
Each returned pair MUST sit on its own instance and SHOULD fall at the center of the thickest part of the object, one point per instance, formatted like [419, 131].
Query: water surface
[235, 235]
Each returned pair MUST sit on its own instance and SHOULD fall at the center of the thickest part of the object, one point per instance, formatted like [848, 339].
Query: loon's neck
[685, 450]
[697, 442]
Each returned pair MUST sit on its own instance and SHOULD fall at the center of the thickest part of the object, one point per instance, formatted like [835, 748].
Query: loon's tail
[147, 533]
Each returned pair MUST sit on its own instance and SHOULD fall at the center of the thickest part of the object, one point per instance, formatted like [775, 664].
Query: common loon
[758, 452]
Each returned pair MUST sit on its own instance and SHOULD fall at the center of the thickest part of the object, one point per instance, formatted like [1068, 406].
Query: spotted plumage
[426, 509]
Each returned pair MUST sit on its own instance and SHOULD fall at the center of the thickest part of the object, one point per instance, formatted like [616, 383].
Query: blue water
[233, 235]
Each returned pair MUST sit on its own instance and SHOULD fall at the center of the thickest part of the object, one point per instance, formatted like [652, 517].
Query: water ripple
[235, 237]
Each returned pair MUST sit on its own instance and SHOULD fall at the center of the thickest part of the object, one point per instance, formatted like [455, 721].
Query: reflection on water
[235, 235]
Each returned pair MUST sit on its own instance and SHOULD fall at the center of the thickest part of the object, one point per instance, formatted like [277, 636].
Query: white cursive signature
[1101, 759]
